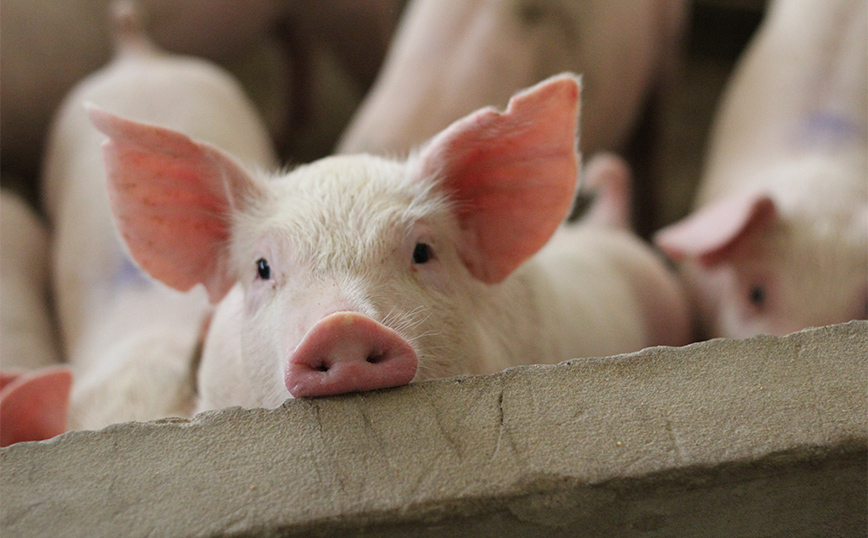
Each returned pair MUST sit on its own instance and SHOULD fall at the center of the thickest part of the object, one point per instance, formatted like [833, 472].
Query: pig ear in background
[714, 230]
[512, 175]
[609, 178]
[34, 405]
[172, 199]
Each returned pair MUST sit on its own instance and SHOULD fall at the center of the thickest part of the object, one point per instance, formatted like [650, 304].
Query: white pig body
[131, 340]
[361, 272]
[779, 240]
[46, 47]
[450, 58]
[27, 338]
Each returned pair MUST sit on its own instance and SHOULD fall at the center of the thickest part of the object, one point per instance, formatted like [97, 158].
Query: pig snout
[348, 352]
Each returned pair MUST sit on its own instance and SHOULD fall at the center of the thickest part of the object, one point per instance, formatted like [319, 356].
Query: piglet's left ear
[512, 175]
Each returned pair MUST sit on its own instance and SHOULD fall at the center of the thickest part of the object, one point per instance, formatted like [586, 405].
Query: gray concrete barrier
[727, 438]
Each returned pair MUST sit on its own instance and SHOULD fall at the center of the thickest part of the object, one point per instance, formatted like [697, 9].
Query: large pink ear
[173, 199]
[34, 405]
[713, 231]
[512, 175]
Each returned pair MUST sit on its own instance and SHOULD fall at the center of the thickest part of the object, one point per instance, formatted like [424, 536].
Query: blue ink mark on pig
[128, 275]
[829, 130]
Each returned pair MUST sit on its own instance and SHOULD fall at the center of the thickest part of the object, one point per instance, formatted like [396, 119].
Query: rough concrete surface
[761, 437]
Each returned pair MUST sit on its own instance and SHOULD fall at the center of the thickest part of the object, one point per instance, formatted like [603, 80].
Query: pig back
[800, 89]
[602, 291]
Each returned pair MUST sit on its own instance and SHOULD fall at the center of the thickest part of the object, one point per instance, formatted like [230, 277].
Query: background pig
[131, 341]
[306, 65]
[450, 58]
[27, 336]
[779, 238]
[361, 272]
[46, 47]
[34, 388]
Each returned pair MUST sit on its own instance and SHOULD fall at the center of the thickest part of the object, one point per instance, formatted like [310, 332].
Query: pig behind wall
[779, 239]
[360, 272]
[450, 58]
[131, 340]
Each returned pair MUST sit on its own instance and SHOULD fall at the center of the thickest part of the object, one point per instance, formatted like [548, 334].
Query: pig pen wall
[762, 437]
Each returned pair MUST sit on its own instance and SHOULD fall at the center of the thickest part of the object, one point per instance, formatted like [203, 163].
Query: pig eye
[263, 269]
[757, 295]
[423, 253]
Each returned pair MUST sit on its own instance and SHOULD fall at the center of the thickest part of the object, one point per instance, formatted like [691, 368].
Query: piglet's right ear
[511, 174]
[173, 200]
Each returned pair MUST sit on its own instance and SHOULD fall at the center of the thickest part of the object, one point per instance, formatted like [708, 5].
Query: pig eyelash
[263, 270]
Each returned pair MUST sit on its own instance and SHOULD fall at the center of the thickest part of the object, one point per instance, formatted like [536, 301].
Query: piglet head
[758, 264]
[353, 272]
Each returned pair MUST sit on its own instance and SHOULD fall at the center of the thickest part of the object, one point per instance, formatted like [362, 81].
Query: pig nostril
[376, 359]
[321, 367]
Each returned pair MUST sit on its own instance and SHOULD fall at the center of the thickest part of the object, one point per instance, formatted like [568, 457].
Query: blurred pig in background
[47, 47]
[306, 65]
[779, 238]
[34, 388]
[450, 57]
[27, 327]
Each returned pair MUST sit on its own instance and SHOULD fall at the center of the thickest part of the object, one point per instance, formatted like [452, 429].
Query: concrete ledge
[762, 437]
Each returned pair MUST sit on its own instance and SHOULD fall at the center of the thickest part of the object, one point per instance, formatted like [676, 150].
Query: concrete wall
[763, 437]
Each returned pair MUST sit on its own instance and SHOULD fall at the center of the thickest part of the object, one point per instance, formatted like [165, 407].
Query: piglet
[779, 238]
[132, 341]
[360, 272]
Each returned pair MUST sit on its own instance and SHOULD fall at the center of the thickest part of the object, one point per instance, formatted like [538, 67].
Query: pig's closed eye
[422, 253]
[263, 270]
